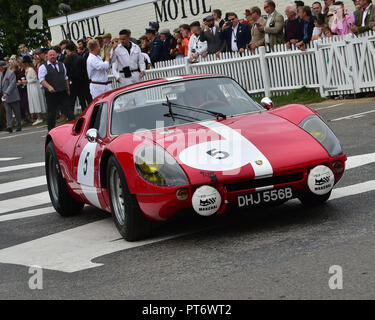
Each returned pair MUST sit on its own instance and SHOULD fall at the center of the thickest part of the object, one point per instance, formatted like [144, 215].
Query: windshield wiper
[170, 104]
[180, 117]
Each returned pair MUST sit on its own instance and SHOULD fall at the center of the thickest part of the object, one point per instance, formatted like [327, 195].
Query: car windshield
[171, 104]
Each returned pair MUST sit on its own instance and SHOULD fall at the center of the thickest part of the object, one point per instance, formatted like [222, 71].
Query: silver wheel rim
[117, 196]
[52, 177]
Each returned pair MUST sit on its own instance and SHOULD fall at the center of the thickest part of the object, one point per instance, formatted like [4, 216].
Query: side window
[79, 125]
[99, 119]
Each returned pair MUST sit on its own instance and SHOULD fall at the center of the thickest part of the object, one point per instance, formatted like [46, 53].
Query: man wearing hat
[10, 96]
[155, 25]
[156, 46]
[196, 46]
[166, 38]
[130, 64]
[211, 33]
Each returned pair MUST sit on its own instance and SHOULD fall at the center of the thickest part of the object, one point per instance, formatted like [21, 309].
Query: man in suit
[156, 46]
[77, 73]
[307, 27]
[366, 18]
[166, 38]
[237, 35]
[274, 29]
[211, 33]
[257, 36]
[10, 96]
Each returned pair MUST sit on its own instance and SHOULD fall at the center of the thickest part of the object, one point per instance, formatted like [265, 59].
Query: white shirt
[97, 70]
[43, 71]
[266, 35]
[197, 45]
[234, 38]
[146, 57]
[365, 14]
[121, 58]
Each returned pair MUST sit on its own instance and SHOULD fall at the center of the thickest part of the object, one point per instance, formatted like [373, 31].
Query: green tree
[14, 21]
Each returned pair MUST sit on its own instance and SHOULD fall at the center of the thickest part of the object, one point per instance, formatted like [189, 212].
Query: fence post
[265, 71]
[319, 68]
[187, 66]
[352, 64]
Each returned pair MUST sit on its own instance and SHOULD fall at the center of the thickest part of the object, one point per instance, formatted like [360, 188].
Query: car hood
[248, 146]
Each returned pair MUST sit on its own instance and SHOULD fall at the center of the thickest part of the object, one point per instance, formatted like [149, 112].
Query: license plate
[264, 197]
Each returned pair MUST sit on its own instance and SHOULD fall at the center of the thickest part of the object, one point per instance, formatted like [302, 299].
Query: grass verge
[300, 96]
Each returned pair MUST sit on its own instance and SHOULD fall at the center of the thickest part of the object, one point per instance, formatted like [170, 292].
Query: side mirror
[267, 103]
[92, 135]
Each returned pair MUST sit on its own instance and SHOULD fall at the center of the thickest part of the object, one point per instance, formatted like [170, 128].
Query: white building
[135, 15]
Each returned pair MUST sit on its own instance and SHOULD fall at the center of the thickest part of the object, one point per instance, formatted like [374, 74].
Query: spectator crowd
[49, 80]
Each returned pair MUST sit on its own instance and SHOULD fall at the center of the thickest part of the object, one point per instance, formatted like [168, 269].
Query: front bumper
[161, 207]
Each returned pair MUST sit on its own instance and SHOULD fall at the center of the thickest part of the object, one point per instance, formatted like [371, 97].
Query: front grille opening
[259, 183]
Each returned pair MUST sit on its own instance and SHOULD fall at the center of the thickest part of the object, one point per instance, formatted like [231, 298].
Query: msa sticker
[233, 152]
[206, 201]
[321, 180]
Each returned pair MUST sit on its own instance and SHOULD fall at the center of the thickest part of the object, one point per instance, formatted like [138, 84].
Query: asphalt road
[279, 253]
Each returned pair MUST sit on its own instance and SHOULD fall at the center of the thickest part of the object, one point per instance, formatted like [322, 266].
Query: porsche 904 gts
[149, 150]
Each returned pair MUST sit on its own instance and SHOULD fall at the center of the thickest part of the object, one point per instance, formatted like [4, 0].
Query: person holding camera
[211, 33]
[237, 35]
[196, 46]
[274, 29]
[129, 60]
[257, 36]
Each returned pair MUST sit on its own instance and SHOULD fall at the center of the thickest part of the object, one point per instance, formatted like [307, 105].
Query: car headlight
[158, 167]
[321, 132]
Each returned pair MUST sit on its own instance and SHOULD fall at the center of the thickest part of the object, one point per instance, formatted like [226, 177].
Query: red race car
[149, 150]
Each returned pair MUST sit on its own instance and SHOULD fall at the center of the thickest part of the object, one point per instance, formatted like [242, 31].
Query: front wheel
[61, 199]
[310, 199]
[127, 215]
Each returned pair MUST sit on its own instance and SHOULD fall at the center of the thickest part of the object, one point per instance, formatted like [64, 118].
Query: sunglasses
[266, 7]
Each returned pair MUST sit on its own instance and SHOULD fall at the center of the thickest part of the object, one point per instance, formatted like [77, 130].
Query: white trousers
[98, 89]
[127, 81]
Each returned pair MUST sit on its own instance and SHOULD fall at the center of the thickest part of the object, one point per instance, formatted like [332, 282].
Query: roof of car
[146, 83]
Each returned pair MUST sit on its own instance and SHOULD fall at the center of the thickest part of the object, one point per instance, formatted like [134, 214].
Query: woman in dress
[37, 104]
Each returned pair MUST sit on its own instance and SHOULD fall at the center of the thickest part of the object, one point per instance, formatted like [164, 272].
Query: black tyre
[128, 217]
[61, 199]
[310, 199]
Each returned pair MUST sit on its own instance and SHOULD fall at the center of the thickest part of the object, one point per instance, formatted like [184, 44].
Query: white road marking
[21, 167]
[9, 159]
[353, 190]
[354, 116]
[20, 135]
[22, 184]
[329, 107]
[27, 214]
[24, 202]
[360, 160]
[73, 250]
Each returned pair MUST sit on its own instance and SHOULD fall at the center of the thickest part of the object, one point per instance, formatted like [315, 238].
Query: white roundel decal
[231, 152]
[321, 180]
[206, 201]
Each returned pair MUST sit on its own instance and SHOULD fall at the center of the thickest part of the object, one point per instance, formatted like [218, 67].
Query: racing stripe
[248, 151]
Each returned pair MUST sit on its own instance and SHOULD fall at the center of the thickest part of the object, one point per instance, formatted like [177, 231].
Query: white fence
[334, 66]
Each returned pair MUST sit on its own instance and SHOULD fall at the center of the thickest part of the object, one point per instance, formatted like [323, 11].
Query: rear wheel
[61, 199]
[310, 199]
[127, 215]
